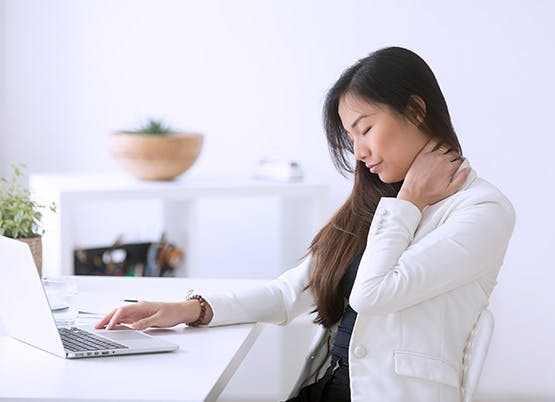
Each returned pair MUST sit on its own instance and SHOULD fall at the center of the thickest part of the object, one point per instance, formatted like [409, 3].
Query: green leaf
[154, 127]
[20, 216]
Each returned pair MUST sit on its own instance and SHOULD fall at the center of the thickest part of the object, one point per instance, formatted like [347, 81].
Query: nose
[360, 151]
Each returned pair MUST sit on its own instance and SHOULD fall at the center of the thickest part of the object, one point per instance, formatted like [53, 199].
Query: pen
[189, 293]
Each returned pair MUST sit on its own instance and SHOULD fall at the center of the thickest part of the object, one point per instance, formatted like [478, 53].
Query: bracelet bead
[202, 310]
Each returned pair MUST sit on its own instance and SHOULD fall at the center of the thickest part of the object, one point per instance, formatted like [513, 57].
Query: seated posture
[400, 273]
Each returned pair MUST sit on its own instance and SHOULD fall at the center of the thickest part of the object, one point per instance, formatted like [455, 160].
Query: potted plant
[20, 216]
[155, 151]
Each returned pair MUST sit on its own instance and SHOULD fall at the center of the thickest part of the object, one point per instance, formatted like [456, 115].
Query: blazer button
[360, 351]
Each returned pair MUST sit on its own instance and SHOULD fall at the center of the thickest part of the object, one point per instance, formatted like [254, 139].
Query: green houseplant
[155, 151]
[154, 127]
[20, 216]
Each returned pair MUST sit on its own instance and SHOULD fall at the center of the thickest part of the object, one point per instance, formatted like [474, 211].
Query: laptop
[26, 315]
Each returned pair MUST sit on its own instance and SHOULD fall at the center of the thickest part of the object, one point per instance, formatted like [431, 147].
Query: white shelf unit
[303, 209]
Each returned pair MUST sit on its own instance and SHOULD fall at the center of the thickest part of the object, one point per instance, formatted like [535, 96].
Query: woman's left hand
[430, 177]
[146, 314]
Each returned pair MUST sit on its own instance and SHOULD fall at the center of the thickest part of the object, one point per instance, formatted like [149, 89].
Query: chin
[390, 176]
[388, 179]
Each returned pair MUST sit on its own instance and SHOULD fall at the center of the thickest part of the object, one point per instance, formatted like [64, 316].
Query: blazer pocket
[418, 365]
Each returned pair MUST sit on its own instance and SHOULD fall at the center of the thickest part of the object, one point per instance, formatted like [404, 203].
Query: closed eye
[366, 131]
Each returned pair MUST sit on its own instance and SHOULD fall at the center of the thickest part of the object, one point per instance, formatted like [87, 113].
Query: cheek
[392, 148]
[383, 144]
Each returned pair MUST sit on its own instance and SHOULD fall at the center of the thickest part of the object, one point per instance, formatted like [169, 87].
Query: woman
[401, 272]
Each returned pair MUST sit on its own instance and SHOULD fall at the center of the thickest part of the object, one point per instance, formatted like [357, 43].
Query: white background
[251, 75]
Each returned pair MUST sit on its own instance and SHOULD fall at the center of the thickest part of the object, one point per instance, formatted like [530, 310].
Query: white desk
[300, 202]
[198, 371]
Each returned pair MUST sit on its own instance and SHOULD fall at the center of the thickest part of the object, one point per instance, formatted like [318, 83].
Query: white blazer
[423, 279]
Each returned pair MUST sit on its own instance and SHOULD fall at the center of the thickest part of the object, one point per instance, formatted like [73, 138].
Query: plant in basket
[20, 216]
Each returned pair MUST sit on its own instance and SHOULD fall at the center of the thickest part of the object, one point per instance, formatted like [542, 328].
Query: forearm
[277, 301]
[390, 234]
[396, 273]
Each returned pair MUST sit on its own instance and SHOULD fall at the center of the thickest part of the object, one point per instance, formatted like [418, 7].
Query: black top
[340, 347]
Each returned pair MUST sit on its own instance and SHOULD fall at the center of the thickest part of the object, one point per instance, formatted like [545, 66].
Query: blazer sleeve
[395, 274]
[278, 302]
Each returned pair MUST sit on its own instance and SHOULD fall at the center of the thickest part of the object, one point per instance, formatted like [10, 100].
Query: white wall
[2, 89]
[252, 75]
[2, 100]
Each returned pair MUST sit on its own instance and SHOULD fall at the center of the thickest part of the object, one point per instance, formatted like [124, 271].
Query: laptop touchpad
[124, 335]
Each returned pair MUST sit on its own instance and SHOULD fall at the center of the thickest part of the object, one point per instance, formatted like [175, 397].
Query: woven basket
[35, 244]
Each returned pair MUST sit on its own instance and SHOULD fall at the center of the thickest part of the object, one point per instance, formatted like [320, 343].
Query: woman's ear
[416, 110]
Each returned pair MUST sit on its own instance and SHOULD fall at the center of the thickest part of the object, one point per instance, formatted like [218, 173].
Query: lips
[372, 167]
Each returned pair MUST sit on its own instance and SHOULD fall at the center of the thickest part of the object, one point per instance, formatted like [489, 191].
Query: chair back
[475, 352]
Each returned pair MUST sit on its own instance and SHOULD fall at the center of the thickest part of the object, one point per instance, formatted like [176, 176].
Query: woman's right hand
[146, 314]
[431, 177]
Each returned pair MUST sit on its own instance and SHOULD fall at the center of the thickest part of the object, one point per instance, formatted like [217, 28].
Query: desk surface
[198, 371]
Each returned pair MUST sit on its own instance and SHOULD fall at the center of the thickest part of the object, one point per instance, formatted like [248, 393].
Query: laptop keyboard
[75, 339]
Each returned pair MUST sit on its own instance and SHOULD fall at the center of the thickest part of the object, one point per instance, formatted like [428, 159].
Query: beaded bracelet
[202, 310]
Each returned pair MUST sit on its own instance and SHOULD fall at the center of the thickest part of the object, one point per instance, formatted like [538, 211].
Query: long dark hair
[394, 77]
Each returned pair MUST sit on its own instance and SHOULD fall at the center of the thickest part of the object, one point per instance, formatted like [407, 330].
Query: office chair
[475, 352]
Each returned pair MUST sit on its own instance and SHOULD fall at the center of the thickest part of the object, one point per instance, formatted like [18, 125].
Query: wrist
[200, 311]
[404, 195]
[193, 310]
[189, 311]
